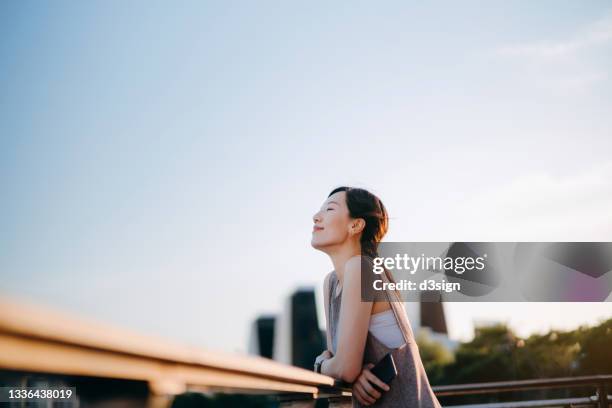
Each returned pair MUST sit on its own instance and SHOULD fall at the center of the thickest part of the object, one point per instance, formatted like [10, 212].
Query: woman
[351, 223]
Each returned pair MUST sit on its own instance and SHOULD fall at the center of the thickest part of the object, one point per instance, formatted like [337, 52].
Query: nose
[317, 217]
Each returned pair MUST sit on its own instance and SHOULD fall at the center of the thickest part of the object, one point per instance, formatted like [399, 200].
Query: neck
[341, 255]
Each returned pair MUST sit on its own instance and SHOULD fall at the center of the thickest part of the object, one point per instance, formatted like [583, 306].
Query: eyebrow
[333, 202]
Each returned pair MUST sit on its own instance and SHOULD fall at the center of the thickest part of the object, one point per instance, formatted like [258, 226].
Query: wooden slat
[33, 338]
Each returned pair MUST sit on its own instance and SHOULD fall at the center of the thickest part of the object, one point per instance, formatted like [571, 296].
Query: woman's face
[331, 223]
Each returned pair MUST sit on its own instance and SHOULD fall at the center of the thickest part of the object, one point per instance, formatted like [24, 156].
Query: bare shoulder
[355, 271]
[352, 269]
[354, 264]
[351, 285]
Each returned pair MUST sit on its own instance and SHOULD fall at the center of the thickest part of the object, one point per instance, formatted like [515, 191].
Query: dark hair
[363, 204]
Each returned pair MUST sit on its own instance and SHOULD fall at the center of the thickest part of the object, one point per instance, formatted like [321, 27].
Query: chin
[316, 245]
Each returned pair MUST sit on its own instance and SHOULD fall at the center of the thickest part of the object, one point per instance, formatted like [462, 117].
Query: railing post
[602, 395]
[159, 401]
[161, 393]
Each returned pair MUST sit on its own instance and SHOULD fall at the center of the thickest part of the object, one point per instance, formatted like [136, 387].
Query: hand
[325, 355]
[363, 390]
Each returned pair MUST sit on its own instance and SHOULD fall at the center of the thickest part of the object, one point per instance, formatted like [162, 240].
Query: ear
[356, 226]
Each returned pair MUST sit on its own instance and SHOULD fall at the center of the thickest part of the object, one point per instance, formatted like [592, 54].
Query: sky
[160, 164]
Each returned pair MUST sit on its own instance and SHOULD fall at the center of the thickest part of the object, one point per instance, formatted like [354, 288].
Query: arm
[353, 327]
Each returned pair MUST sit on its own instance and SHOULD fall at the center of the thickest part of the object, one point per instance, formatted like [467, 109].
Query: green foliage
[488, 357]
[434, 356]
[596, 350]
[497, 354]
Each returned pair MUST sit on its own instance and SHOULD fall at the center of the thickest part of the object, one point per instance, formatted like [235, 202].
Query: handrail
[37, 339]
[502, 386]
[558, 402]
[599, 382]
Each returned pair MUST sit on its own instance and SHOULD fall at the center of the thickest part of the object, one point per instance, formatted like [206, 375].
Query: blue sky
[160, 164]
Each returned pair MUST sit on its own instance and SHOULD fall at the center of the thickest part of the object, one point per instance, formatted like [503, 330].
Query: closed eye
[329, 209]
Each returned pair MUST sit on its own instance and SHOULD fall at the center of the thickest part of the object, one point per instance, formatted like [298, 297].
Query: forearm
[329, 367]
[337, 368]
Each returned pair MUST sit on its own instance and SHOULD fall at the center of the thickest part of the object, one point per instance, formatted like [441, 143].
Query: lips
[315, 228]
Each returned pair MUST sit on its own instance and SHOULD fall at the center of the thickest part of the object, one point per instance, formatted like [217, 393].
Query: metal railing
[599, 383]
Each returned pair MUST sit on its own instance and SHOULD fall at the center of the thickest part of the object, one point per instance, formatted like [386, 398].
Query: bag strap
[399, 310]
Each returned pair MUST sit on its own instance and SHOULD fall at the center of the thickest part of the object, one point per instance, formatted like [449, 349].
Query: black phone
[385, 370]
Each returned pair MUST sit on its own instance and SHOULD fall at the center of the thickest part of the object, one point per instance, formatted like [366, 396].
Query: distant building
[294, 336]
[432, 320]
[261, 339]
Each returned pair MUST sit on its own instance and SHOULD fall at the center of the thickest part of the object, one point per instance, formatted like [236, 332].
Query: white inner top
[384, 327]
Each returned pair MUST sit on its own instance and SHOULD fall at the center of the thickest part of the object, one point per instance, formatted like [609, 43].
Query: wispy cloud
[596, 34]
[541, 206]
[574, 64]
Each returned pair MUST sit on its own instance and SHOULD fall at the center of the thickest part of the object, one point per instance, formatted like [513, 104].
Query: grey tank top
[410, 388]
